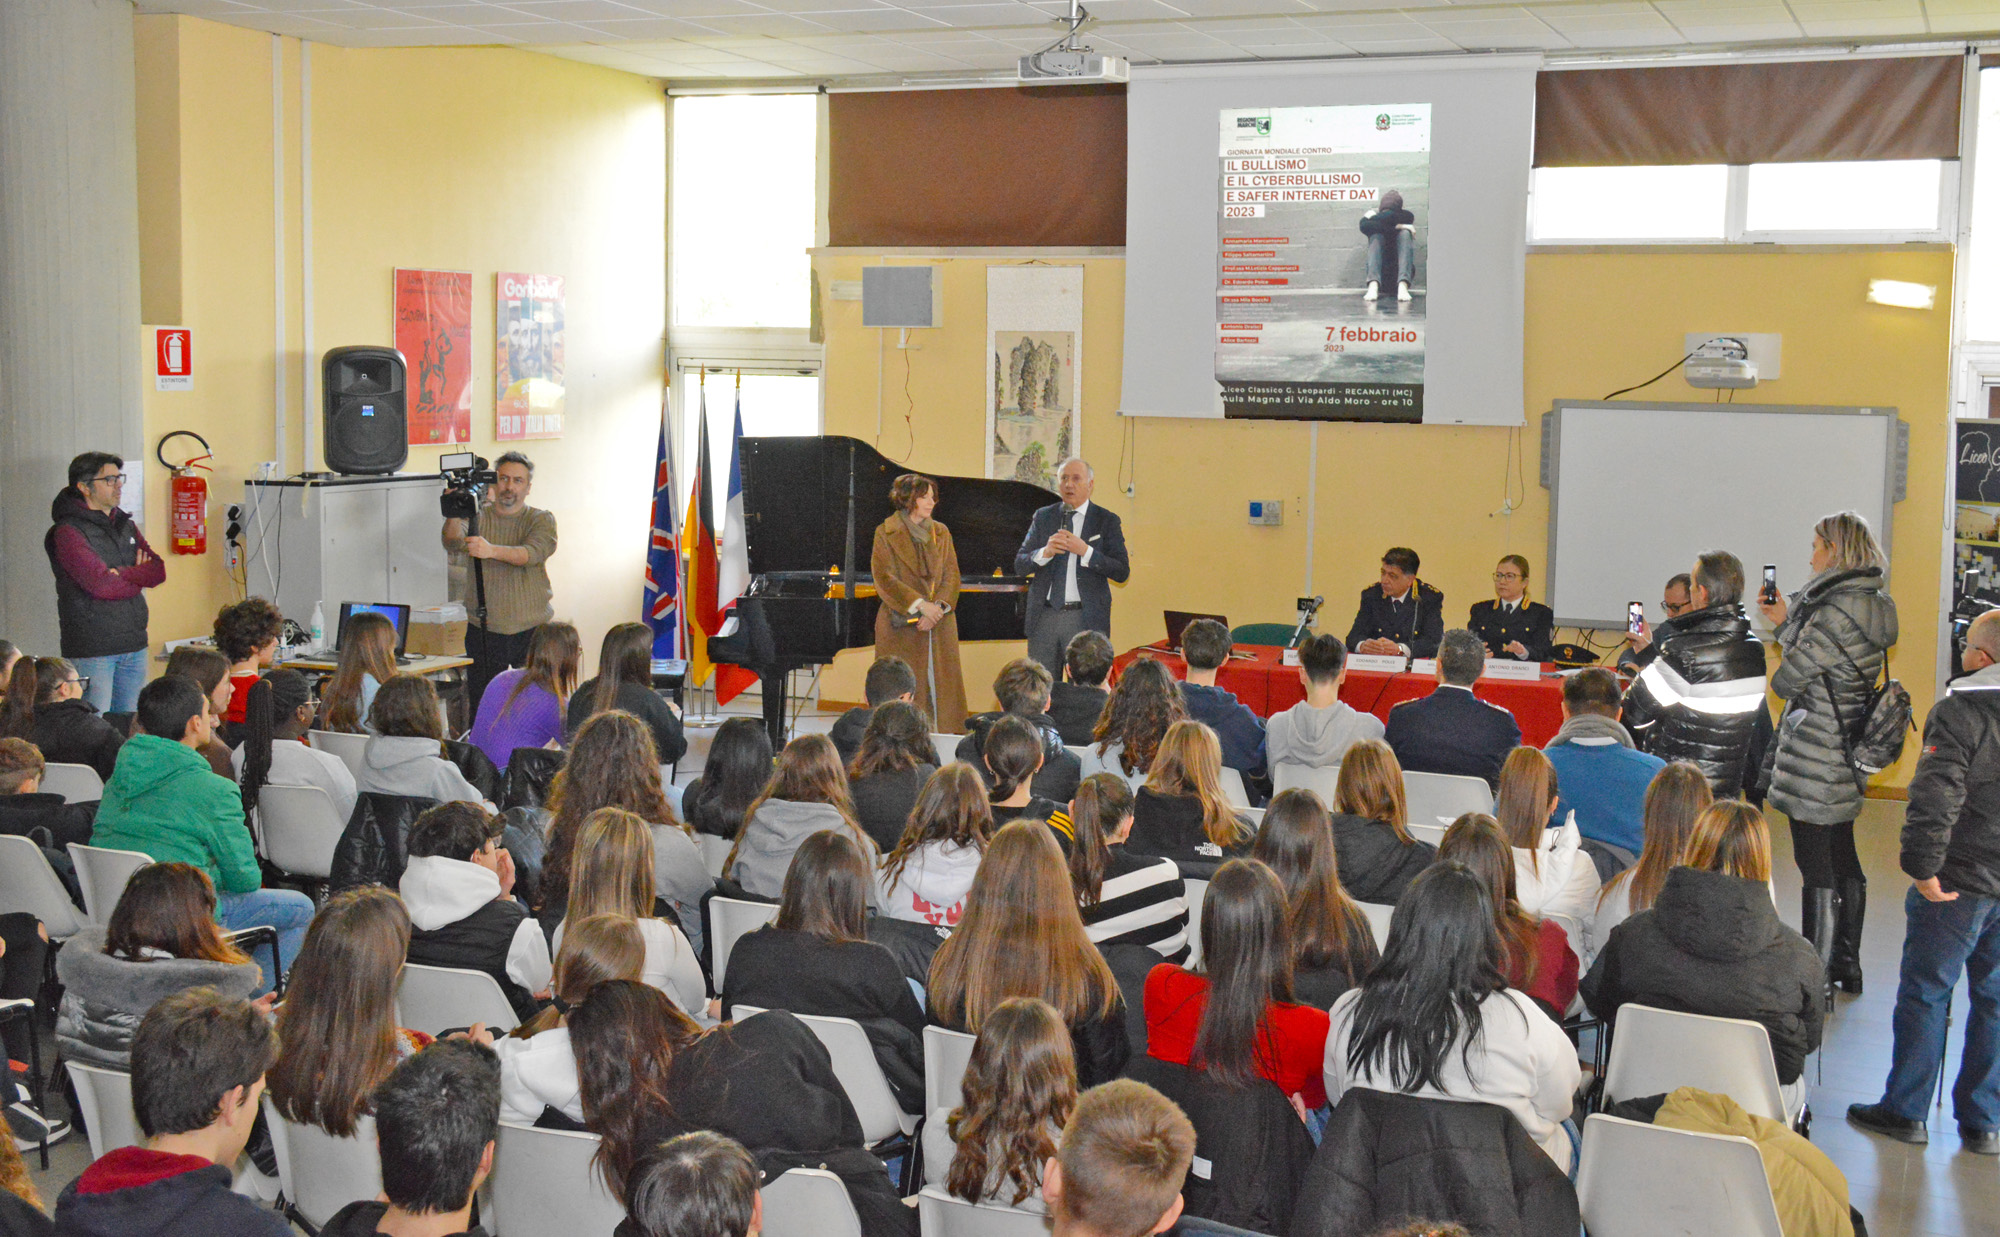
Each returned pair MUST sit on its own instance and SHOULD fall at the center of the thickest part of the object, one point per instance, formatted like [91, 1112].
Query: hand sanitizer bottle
[319, 625]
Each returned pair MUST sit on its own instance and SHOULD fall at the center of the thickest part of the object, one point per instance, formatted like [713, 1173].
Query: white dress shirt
[1043, 555]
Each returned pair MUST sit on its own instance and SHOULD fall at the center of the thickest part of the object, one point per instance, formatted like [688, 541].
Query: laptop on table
[398, 615]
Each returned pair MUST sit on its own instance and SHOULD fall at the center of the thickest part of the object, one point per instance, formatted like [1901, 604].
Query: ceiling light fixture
[1902, 294]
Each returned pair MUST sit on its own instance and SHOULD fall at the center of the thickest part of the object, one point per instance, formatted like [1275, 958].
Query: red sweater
[1291, 1040]
[239, 698]
[1555, 970]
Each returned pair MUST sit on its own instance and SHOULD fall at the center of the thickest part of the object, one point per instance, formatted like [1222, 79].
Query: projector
[1712, 372]
[1067, 65]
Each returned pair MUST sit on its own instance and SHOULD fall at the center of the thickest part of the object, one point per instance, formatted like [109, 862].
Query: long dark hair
[367, 647]
[554, 653]
[337, 1026]
[950, 810]
[611, 763]
[736, 771]
[1443, 960]
[826, 889]
[1020, 1084]
[1103, 801]
[1328, 929]
[625, 1035]
[273, 705]
[1246, 948]
[34, 682]
[1012, 750]
[1145, 701]
[1475, 841]
[627, 657]
[898, 737]
[169, 907]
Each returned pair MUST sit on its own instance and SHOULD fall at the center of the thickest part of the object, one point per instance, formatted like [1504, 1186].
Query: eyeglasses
[1672, 609]
[81, 680]
[1503, 576]
[117, 478]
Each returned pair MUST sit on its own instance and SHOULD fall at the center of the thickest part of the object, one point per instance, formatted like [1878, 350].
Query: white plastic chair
[29, 884]
[1323, 780]
[299, 826]
[319, 1173]
[1640, 1180]
[1196, 891]
[1378, 916]
[943, 1215]
[545, 1181]
[859, 1072]
[947, 747]
[1434, 834]
[946, 1055]
[729, 920]
[714, 853]
[1233, 788]
[1076, 751]
[350, 748]
[104, 872]
[1444, 796]
[75, 783]
[1654, 1051]
[104, 1101]
[433, 999]
[804, 1202]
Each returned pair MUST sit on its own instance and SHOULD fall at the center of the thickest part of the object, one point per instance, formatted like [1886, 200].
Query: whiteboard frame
[1895, 464]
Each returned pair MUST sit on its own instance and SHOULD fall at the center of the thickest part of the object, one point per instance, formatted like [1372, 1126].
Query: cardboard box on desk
[437, 631]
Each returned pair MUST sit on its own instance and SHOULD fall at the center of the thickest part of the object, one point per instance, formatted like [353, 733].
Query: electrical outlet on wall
[1267, 511]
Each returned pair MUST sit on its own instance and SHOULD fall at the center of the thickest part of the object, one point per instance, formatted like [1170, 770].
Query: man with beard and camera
[510, 549]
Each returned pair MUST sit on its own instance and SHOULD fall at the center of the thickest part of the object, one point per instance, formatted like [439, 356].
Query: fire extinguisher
[188, 506]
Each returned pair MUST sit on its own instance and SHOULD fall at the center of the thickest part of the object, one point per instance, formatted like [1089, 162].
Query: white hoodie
[440, 891]
[1563, 882]
[932, 886]
[537, 1073]
[409, 765]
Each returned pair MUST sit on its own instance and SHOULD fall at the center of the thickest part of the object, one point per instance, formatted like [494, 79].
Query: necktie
[1059, 595]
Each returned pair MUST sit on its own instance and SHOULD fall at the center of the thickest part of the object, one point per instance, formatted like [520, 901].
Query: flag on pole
[704, 616]
[733, 569]
[662, 602]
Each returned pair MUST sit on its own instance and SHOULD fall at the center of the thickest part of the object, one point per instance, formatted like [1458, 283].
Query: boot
[1816, 920]
[1844, 968]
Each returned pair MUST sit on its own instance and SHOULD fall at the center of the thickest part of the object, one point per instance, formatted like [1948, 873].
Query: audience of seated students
[735, 772]
[1124, 1155]
[612, 763]
[524, 707]
[1180, 812]
[1552, 872]
[1078, 700]
[210, 671]
[1126, 899]
[1021, 935]
[1679, 793]
[1371, 829]
[1437, 1018]
[807, 794]
[889, 770]
[367, 660]
[537, 1064]
[405, 751]
[1604, 778]
[700, 1182]
[1318, 731]
[247, 633]
[162, 939]
[1451, 730]
[924, 879]
[458, 886]
[816, 958]
[1333, 948]
[889, 681]
[1536, 956]
[1022, 688]
[166, 803]
[611, 873]
[337, 1026]
[1712, 944]
[625, 681]
[1018, 1093]
[1205, 647]
[649, 1074]
[1013, 755]
[274, 751]
[26, 807]
[437, 1122]
[1136, 715]
[21, 1212]
[198, 1063]
[45, 706]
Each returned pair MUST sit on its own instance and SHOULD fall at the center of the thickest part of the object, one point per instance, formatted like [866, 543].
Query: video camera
[466, 477]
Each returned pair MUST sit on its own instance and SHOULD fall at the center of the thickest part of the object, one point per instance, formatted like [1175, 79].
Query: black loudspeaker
[362, 407]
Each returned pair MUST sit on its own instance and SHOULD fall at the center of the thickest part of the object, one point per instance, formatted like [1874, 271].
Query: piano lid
[795, 493]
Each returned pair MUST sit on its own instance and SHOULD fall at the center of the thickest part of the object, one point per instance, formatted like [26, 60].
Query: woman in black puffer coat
[1835, 635]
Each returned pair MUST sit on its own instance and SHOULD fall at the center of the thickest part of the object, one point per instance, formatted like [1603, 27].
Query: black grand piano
[811, 506]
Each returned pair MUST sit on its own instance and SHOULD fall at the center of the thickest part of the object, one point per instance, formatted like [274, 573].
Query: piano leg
[773, 682]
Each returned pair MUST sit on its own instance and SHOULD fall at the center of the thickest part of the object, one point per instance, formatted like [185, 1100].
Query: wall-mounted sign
[173, 359]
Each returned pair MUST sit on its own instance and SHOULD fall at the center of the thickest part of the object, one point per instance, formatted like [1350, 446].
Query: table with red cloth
[1266, 685]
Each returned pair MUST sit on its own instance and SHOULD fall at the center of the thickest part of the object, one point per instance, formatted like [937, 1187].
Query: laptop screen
[1177, 621]
[398, 615]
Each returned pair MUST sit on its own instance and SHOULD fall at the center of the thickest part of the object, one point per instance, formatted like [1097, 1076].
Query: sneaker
[31, 1128]
[1979, 1142]
[1879, 1120]
[1403, 290]
[1373, 290]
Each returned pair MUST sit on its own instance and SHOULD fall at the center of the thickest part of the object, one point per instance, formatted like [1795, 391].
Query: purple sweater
[534, 718]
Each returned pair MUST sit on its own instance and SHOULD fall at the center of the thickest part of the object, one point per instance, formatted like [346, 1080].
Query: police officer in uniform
[1512, 626]
[1401, 614]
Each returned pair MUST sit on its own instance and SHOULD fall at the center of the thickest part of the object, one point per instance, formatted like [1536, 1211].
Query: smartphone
[1635, 618]
[1769, 593]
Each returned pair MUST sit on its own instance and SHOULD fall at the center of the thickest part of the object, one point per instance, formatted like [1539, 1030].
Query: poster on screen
[1320, 293]
[1976, 519]
[528, 347]
[434, 334]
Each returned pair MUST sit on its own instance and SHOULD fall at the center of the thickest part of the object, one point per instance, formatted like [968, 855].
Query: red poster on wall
[434, 334]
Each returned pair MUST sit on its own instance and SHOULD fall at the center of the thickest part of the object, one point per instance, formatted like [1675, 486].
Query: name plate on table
[1290, 657]
[1526, 671]
[1423, 665]
[1379, 663]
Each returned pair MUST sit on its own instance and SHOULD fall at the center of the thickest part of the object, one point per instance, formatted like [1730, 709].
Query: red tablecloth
[1265, 685]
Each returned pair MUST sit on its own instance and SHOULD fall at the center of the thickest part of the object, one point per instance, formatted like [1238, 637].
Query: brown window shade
[1803, 112]
[1043, 166]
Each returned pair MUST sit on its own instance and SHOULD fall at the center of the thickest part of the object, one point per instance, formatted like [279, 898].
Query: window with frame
[1880, 201]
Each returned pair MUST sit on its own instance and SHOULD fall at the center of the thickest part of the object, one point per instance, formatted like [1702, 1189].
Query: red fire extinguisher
[188, 505]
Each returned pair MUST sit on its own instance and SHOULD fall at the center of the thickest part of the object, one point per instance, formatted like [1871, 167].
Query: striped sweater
[1143, 902]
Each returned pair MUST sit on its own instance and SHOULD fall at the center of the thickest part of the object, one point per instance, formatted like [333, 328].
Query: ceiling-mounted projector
[1067, 61]
[1721, 363]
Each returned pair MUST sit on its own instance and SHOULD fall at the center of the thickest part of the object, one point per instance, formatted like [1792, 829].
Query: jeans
[1405, 246]
[287, 910]
[114, 681]
[1945, 939]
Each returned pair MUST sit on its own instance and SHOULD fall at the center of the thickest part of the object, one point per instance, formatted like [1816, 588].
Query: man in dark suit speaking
[1400, 614]
[1451, 730]
[1073, 553]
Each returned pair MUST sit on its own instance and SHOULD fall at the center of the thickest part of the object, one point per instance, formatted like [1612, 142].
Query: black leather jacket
[1700, 687]
[1952, 828]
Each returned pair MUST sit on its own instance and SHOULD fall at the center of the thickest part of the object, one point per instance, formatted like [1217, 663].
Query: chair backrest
[1255, 815]
[729, 920]
[104, 1101]
[947, 747]
[1233, 788]
[350, 748]
[545, 1181]
[433, 999]
[946, 1054]
[104, 872]
[319, 1173]
[943, 1215]
[1325, 780]
[1654, 1051]
[805, 1202]
[1434, 834]
[1196, 891]
[1444, 796]
[75, 783]
[714, 852]
[1640, 1180]
[530, 770]
[1378, 916]
[28, 883]
[300, 827]
[859, 1072]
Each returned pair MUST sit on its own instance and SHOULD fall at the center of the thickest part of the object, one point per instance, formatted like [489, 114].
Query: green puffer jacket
[1836, 635]
[163, 799]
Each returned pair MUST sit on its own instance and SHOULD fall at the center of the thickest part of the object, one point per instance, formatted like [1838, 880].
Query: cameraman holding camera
[510, 550]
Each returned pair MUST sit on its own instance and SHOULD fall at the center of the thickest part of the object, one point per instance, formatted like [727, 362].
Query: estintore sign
[173, 359]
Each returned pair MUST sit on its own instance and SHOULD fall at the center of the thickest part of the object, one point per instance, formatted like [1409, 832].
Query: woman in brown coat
[916, 575]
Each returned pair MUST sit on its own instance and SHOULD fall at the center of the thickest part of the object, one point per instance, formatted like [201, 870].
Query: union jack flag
[663, 557]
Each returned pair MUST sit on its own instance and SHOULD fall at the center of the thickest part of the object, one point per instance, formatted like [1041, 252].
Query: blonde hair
[612, 868]
[1371, 787]
[1189, 762]
[1853, 543]
[1731, 837]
